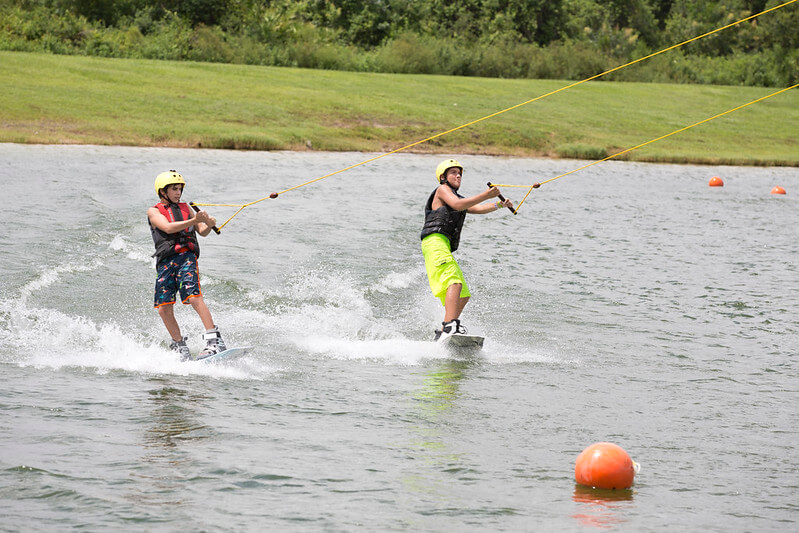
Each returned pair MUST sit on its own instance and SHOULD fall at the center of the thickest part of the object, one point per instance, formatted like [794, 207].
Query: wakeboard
[227, 354]
[464, 342]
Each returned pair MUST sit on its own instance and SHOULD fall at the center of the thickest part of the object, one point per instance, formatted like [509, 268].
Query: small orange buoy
[604, 465]
[716, 181]
[777, 190]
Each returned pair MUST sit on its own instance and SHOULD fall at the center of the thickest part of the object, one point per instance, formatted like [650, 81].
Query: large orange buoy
[604, 465]
[777, 190]
[716, 181]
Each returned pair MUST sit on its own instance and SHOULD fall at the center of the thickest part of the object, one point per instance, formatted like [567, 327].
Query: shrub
[168, 39]
[581, 151]
[406, 54]
[208, 44]
[282, 33]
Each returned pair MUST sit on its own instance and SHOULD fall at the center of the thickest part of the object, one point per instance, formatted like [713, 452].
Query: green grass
[88, 100]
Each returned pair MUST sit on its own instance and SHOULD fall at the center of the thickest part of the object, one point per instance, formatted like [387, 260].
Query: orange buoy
[777, 190]
[716, 181]
[604, 465]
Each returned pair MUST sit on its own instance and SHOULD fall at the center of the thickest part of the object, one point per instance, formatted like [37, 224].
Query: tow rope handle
[502, 198]
[198, 210]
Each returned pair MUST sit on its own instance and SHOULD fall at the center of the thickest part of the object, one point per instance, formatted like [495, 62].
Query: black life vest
[444, 220]
[169, 244]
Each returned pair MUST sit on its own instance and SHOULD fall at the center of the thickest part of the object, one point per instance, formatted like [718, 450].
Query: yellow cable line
[569, 86]
[643, 144]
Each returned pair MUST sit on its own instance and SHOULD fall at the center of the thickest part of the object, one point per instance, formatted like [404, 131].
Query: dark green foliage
[567, 39]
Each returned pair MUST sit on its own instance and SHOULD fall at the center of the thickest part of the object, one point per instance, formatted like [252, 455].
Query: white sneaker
[181, 348]
[448, 329]
[213, 344]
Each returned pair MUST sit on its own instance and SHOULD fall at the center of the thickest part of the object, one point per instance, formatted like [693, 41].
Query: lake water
[628, 303]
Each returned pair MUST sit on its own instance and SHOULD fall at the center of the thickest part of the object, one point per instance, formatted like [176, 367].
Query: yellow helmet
[441, 169]
[167, 178]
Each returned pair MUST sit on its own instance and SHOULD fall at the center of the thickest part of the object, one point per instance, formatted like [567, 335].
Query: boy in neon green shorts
[444, 214]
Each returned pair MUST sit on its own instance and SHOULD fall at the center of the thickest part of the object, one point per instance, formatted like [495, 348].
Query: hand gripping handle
[503, 199]
[198, 210]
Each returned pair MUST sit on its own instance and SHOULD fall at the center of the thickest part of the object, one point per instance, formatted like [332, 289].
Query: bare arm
[204, 227]
[445, 195]
[503, 202]
[489, 207]
[201, 220]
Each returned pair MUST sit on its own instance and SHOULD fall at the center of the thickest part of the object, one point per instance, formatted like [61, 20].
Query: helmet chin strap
[445, 182]
[165, 197]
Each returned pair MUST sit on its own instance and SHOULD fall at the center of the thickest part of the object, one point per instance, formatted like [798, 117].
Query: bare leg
[453, 303]
[461, 304]
[167, 314]
[205, 315]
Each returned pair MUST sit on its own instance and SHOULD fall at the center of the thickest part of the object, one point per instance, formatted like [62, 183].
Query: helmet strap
[445, 182]
[163, 196]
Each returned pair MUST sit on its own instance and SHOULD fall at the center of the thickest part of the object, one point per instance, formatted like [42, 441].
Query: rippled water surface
[627, 302]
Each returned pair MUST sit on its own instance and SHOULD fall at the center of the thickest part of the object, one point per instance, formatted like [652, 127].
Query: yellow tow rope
[642, 144]
[569, 86]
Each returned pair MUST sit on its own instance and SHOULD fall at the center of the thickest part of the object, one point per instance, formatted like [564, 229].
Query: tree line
[556, 39]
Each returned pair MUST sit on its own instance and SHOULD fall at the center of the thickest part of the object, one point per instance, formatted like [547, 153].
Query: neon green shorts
[442, 269]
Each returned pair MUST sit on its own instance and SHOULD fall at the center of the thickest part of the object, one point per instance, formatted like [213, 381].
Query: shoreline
[454, 150]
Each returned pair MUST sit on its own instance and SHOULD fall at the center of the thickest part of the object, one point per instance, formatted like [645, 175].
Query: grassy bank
[84, 100]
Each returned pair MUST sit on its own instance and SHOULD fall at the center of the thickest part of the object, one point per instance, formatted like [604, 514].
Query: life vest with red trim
[169, 244]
